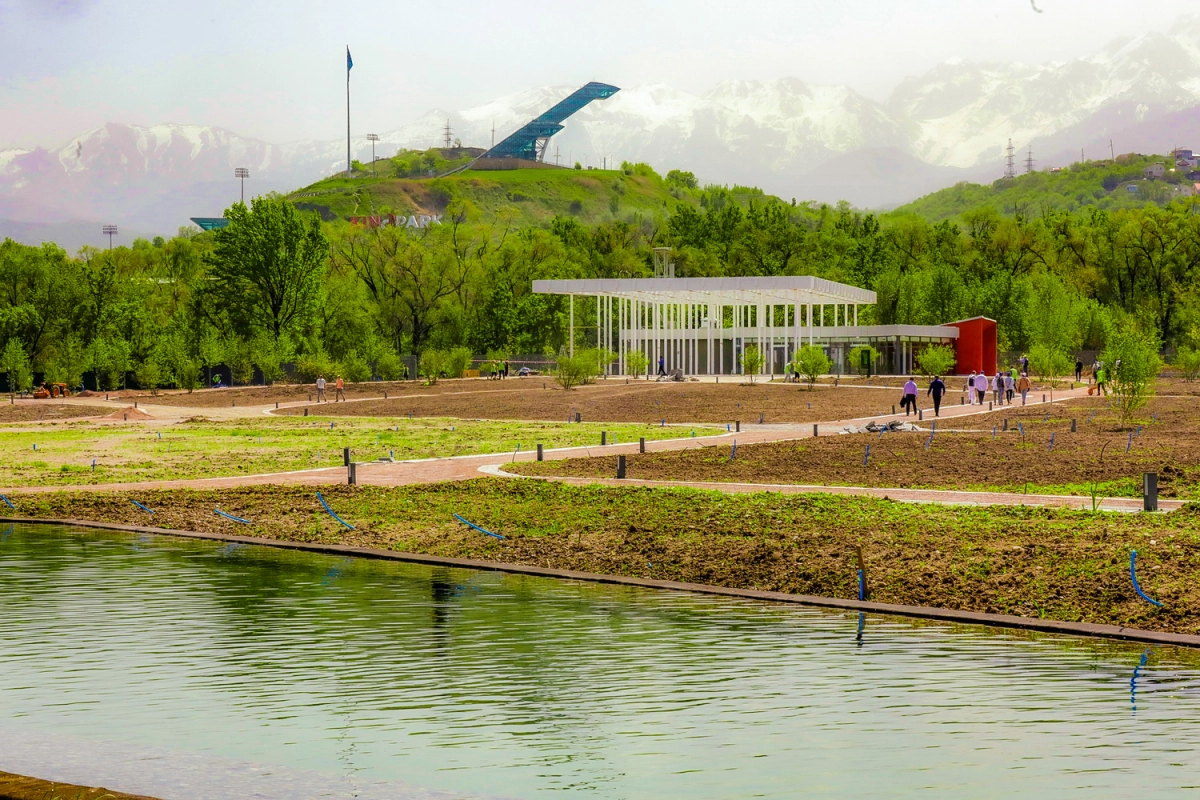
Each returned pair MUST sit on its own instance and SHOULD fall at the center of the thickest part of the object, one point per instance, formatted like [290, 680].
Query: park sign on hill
[399, 221]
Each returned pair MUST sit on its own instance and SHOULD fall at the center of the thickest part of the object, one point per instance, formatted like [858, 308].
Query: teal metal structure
[529, 141]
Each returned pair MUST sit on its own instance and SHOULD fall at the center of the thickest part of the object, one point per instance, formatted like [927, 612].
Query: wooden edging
[925, 612]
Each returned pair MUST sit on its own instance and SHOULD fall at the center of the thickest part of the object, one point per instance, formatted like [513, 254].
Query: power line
[1010, 171]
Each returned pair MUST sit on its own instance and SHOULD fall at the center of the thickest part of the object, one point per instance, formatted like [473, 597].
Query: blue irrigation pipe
[1133, 577]
[1129, 444]
[330, 510]
[867, 455]
[862, 586]
[142, 507]
[476, 527]
[8, 502]
[733, 451]
[231, 516]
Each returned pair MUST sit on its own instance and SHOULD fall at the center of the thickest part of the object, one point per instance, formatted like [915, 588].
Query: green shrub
[312, 366]
[811, 363]
[637, 363]
[457, 361]
[432, 364]
[355, 368]
[937, 360]
[1187, 361]
[1132, 362]
[389, 366]
[752, 361]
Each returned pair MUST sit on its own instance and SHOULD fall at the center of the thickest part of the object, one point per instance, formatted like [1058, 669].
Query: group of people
[339, 387]
[1004, 386]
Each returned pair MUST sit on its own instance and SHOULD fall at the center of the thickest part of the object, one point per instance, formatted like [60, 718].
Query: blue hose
[733, 450]
[330, 510]
[232, 517]
[476, 527]
[142, 507]
[8, 502]
[862, 586]
[1133, 577]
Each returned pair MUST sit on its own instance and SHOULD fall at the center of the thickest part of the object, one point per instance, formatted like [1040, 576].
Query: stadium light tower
[242, 173]
[372, 138]
[110, 231]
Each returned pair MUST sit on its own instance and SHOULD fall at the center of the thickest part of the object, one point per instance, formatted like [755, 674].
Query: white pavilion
[702, 325]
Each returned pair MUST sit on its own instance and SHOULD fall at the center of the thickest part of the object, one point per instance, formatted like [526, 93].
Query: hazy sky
[276, 70]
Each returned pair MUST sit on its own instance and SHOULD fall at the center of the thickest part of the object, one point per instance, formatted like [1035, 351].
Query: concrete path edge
[926, 612]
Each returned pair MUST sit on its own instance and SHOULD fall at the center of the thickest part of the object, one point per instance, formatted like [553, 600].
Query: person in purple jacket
[909, 401]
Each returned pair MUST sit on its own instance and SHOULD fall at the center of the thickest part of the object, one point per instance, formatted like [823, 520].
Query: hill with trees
[1108, 185]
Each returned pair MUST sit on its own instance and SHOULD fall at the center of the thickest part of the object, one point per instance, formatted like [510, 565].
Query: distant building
[1184, 153]
[1132, 188]
[1154, 171]
[1194, 175]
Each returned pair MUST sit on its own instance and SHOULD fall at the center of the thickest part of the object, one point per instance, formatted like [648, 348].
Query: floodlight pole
[348, 165]
[242, 173]
[110, 231]
[372, 138]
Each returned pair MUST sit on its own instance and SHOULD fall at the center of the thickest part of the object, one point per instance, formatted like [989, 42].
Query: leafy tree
[1187, 361]
[355, 367]
[572, 371]
[458, 359]
[637, 363]
[148, 374]
[432, 365]
[811, 363]
[752, 361]
[1132, 361]
[856, 358]
[937, 360]
[1050, 365]
[684, 180]
[266, 265]
[15, 364]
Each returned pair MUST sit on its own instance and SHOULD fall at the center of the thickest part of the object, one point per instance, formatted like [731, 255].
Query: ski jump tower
[528, 143]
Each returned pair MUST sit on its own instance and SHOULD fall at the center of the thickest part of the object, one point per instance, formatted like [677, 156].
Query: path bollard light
[541, 455]
[893, 408]
[737, 426]
[989, 405]
[277, 404]
[310, 398]
[1043, 398]
[135, 403]
[962, 402]
[306, 412]
[603, 438]
[385, 397]
[1005, 428]
[577, 417]
[920, 415]
[346, 456]
[1150, 491]
[1072, 426]
[814, 430]
[621, 467]
[351, 474]
[642, 444]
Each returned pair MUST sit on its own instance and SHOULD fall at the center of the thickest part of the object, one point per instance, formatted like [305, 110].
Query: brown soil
[37, 410]
[638, 401]
[19, 787]
[1056, 564]
[128, 415]
[298, 393]
[960, 456]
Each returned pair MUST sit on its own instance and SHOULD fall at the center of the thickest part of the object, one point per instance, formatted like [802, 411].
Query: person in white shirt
[981, 384]
[998, 389]
[320, 388]
[970, 388]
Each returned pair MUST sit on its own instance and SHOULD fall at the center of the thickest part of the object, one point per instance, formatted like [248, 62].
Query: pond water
[188, 669]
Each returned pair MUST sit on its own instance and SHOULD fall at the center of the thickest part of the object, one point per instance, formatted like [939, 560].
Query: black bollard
[541, 456]
[603, 438]
[351, 474]
[385, 395]
[814, 430]
[642, 445]
[760, 419]
[920, 415]
[737, 426]
[346, 456]
[620, 466]
[1043, 398]
[276, 404]
[1150, 491]
[306, 412]
[1072, 426]
[577, 416]
[1005, 428]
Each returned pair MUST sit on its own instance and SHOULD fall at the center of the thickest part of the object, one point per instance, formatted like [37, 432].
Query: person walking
[1095, 369]
[1025, 364]
[338, 390]
[1023, 386]
[662, 366]
[909, 401]
[981, 384]
[936, 389]
[1078, 370]
[504, 374]
[1101, 379]
[321, 388]
[998, 388]
[969, 388]
[1010, 385]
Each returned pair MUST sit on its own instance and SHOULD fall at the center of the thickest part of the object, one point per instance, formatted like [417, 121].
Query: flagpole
[347, 111]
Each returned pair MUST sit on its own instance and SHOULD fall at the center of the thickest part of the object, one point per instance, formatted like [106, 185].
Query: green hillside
[528, 196]
[1099, 184]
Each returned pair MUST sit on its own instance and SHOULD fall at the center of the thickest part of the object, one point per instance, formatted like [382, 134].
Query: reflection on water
[197, 669]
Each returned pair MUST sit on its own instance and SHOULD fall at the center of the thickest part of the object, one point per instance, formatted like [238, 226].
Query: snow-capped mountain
[792, 138]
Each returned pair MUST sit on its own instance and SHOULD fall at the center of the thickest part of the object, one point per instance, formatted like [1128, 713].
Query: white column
[571, 334]
[856, 315]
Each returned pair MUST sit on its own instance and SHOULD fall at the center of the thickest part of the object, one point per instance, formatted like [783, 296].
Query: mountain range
[791, 138]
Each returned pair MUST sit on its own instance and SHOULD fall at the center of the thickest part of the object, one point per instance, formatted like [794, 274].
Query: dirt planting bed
[37, 410]
[1055, 564]
[1099, 456]
[638, 401]
[20, 787]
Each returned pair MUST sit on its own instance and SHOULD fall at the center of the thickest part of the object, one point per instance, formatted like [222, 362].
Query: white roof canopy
[718, 291]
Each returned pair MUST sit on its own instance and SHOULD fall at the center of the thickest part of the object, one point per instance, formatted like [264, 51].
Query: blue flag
[349, 60]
